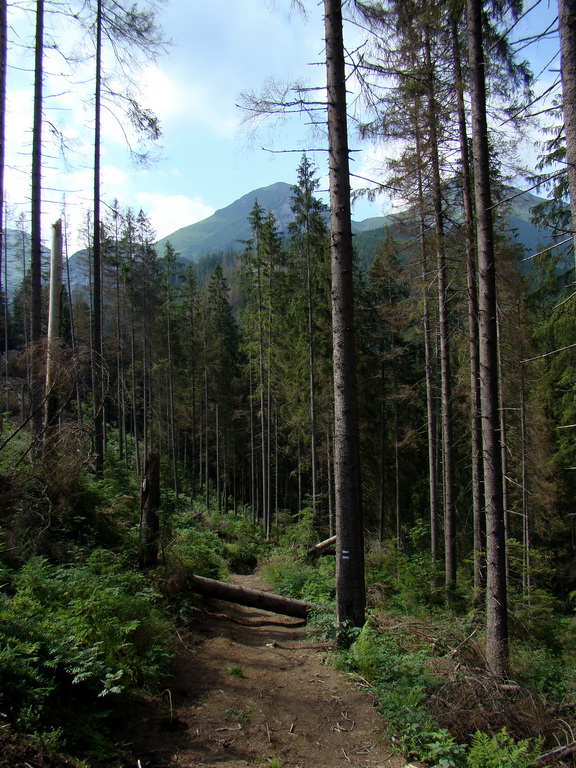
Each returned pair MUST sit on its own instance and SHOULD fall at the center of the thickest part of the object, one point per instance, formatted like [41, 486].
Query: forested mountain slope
[229, 228]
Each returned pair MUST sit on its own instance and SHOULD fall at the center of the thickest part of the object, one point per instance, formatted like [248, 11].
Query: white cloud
[180, 102]
[168, 213]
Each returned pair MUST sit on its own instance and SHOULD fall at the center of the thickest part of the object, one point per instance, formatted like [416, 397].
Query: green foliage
[403, 582]
[379, 657]
[501, 750]
[197, 551]
[63, 511]
[401, 679]
[553, 675]
[243, 541]
[73, 635]
[296, 577]
[536, 615]
[297, 532]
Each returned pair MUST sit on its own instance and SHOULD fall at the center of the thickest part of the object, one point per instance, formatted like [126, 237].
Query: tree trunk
[496, 597]
[172, 420]
[133, 386]
[311, 379]
[36, 218]
[254, 598]
[428, 365]
[149, 519]
[3, 71]
[479, 521]
[54, 312]
[445, 367]
[96, 260]
[253, 480]
[265, 512]
[322, 546]
[382, 450]
[397, 504]
[526, 533]
[503, 425]
[206, 427]
[217, 452]
[268, 504]
[5, 286]
[120, 387]
[567, 30]
[350, 584]
[330, 480]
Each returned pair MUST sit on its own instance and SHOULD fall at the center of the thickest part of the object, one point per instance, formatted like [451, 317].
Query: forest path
[250, 689]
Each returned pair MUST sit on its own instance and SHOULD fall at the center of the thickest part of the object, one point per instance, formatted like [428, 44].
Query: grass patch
[235, 671]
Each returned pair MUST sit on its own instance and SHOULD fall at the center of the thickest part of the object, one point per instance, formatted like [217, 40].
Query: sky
[207, 157]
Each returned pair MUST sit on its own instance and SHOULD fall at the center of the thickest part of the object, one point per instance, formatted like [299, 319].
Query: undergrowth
[82, 630]
[74, 636]
[425, 663]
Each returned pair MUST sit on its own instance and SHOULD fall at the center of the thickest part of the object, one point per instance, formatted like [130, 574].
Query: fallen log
[558, 754]
[321, 546]
[254, 598]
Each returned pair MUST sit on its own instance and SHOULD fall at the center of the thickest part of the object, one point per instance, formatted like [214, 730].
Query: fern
[502, 751]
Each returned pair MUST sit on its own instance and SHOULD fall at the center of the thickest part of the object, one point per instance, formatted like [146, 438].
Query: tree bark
[428, 365]
[254, 598]
[54, 312]
[479, 522]
[36, 215]
[149, 519]
[350, 584]
[567, 30]
[496, 591]
[3, 71]
[445, 366]
[96, 259]
[526, 532]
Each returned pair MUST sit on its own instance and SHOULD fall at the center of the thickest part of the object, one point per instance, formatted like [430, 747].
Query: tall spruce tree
[36, 215]
[309, 236]
[567, 30]
[496, 588]
[350, 583]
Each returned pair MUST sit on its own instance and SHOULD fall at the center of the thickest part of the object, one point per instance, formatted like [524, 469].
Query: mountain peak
[229, 226]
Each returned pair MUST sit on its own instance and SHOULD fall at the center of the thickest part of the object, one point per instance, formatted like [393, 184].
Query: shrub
[197, 551]
[243, 540]
[400, 679]
[297, 532]
[296, 577]
[402, 582]
[550, 674]
[72, 636]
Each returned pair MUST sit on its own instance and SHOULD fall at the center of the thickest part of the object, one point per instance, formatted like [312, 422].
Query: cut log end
[322, 547]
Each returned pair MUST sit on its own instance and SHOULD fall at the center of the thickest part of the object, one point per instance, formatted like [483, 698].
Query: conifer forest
[380, 424]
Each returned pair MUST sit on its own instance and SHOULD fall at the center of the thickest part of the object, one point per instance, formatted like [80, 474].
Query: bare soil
[251, 689]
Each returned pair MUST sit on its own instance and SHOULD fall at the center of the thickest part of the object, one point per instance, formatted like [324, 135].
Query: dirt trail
[250, 689]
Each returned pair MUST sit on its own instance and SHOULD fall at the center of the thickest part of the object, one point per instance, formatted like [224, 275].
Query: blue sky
[207, 158]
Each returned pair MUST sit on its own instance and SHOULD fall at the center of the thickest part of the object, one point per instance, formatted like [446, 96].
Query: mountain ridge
[228, 227]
